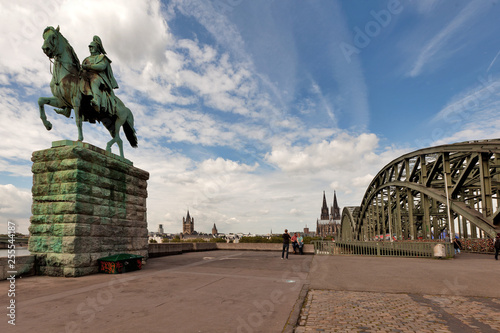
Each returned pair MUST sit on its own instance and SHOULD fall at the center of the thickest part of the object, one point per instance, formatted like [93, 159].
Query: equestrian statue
[88, 89]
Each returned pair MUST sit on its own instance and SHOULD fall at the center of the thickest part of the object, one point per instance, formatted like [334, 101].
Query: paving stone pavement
[353, 311]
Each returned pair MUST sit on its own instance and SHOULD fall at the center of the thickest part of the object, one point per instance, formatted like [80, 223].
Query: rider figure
[98, 80]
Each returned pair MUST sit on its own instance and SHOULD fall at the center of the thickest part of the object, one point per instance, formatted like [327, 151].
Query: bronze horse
[66, 88]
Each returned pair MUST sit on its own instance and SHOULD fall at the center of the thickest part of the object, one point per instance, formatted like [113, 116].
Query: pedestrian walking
[286, 244]
[457, 245]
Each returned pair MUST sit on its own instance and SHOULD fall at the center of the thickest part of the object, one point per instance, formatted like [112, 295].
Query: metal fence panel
[389, 249]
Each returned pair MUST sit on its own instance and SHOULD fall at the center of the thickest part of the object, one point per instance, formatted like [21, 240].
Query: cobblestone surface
[347, 311]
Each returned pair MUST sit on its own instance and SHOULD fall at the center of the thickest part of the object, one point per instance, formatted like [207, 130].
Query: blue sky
[246, 111]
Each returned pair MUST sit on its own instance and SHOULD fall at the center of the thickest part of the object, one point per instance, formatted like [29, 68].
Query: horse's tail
[128, 128]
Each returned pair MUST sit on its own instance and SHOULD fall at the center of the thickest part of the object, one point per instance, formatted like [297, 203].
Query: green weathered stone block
[41, 178]
[82, 260]
[100, 170]
[118, 177]
[100, 192]
[117, 196]
[41, 229]
[65, 218]
[38, 208]
[66, 164]
[58, 259]
[70, 229]
[36, 219]
[120, 213]
[83, 208]
[57, 208]
[68, 244]
[39, 167]
[42, 189]
[63, 176]
[101, 211]
[104, 183]
[86, 166]
[51, 271]
[57, 198]
[81, 244]
[55, 244]
[54, 166]
[80, 271]
[38, 244]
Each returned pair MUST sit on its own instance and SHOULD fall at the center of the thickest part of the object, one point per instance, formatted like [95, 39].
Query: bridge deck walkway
[250, 291]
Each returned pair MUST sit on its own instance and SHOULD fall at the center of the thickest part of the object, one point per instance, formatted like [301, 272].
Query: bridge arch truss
[451, 188]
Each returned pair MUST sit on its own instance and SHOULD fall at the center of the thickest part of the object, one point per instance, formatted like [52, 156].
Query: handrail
[389, 249]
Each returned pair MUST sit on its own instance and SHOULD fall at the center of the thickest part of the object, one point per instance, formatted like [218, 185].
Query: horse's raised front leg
[53, 101]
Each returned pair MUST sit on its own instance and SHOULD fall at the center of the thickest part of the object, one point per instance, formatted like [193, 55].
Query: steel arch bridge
[452, 189]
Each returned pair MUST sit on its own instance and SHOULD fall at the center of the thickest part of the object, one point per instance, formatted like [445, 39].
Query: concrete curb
[295, 313]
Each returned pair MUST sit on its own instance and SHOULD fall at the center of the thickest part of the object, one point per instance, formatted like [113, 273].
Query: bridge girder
[426, 191]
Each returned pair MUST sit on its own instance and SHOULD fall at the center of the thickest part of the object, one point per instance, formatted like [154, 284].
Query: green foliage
[153, 241]
[257, 239]
[195, 240]
[309, 239]
[261, 239]
[276, 239]
[218, 240]
[176, 239]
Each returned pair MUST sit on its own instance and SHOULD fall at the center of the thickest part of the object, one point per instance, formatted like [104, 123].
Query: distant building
[214, 230]
[188, 225]
[329, 222]
[308, 232]
[160, 229]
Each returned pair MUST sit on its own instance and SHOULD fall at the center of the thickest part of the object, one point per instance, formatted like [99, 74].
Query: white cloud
[470, 115]
[296, 212]
[15, 206]
[344, 151]
[476, 99]
[220, 165]
[212, 15]
[13, 200]
[439, 43]
[362, 181]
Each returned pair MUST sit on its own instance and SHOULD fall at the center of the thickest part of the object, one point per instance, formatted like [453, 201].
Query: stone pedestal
[87, 204]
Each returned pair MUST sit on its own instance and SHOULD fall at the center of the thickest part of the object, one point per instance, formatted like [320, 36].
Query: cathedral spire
[324, 209]
[335, 208]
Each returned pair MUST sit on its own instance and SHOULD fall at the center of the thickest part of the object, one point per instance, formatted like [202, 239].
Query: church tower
[214, 230]
[188, 225]
[335, 215]
[324, 209]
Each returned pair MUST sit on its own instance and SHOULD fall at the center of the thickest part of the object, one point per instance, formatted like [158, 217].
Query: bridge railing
[389, 249]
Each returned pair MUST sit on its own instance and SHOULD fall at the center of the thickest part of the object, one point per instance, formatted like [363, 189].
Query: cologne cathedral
[329, 223]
